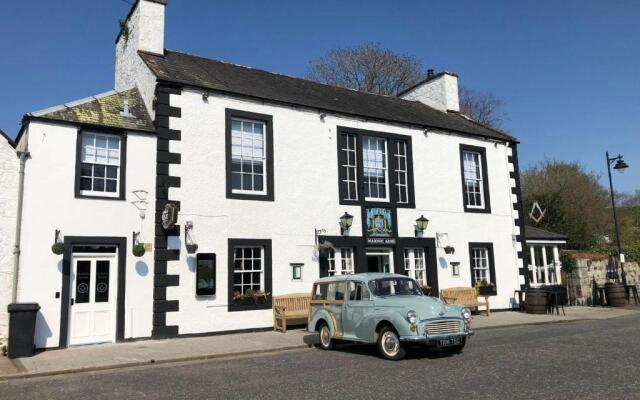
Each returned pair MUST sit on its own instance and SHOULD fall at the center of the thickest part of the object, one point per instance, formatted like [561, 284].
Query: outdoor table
[632, 290]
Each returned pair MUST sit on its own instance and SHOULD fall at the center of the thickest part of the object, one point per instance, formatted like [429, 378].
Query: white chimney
[439, 91]
[142, 30]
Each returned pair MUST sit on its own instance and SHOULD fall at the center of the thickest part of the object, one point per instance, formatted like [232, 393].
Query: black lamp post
[619, 166]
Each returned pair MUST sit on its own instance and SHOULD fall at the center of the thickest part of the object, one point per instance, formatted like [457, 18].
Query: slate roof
[533, 233]
[186, 69]
[103, 110]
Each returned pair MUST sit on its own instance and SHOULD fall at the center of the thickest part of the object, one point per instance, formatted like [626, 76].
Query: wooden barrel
[615, 294]
[536, 301]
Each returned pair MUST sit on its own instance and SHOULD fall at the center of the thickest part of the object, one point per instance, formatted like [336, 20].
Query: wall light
[345, 223]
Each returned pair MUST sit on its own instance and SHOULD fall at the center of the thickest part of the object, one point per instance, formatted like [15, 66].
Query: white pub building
[180, 202]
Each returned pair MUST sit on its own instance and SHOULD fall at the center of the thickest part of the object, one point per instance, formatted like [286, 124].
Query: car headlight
[466, 313]
[412, 317]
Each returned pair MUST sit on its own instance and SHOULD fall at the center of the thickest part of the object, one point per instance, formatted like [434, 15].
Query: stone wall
[579, 282]
[9, 164]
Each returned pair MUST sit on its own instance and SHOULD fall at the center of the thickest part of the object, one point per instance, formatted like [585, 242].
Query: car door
[358, 307]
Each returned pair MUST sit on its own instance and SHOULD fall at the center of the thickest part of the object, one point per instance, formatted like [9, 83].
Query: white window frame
[351, 169]
[414, 262]
[234, 156]
[251, 271]
[476, 170]
[341, 261]
[384, 168]
[480, 272]
[108, 151]
[402, 159]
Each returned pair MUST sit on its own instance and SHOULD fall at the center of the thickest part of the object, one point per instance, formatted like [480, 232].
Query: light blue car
[387, 309]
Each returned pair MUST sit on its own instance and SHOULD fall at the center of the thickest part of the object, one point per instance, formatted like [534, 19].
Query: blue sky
[567, 71]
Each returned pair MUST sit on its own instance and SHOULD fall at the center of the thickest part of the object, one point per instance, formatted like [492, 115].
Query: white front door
[92, 313]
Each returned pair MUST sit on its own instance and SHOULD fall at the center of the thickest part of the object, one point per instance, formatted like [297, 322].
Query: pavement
[593, 359]
[146, 352]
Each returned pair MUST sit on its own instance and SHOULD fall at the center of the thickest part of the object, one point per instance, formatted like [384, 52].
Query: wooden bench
[289, 306]
[465, 296]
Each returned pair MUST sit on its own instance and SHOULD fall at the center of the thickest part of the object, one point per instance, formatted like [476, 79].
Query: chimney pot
[429, 73]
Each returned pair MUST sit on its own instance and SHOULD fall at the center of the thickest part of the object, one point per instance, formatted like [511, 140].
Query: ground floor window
[248, 272]
[341, 261]
[482, 265]
[414, 264]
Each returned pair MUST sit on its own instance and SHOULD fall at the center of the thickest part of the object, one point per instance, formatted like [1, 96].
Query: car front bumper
[433, 339]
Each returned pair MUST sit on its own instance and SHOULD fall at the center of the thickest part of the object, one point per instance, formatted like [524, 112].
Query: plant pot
[191, 248]
[486, 291]
[615, 294]
[249, 301]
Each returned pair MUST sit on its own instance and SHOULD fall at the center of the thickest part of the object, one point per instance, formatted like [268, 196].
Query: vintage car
[387, 309]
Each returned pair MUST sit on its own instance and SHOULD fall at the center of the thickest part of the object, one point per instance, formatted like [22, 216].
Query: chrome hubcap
[390, 343]
[324, 336]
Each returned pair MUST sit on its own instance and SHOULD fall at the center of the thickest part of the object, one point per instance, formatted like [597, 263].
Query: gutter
[16, 249]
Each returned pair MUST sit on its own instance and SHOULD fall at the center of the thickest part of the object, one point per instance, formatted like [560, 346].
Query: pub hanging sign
[379, 225]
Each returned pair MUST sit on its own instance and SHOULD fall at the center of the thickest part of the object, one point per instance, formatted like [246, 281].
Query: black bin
[22, 329]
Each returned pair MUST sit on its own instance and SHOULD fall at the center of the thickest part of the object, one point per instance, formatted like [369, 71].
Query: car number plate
[449, 342]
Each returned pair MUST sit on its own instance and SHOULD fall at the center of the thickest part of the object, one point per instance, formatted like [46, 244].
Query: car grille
[442, 327]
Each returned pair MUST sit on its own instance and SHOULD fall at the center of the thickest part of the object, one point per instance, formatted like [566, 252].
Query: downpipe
[16, 248]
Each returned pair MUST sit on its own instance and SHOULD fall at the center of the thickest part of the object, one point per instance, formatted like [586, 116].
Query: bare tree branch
[482, 107]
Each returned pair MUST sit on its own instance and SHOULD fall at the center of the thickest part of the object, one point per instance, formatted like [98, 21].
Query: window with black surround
[101, 165]
[475, 179]
[249, 274]
[482, 265]
[249, 155]
[205, 274]
[375, 168]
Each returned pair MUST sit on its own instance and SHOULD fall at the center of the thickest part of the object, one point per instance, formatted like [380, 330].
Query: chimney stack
[439, 91]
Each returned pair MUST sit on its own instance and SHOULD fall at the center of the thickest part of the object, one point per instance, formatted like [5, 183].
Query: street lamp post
[620, 166]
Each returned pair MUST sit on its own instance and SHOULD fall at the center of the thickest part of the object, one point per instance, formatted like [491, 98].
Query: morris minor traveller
[387, 309]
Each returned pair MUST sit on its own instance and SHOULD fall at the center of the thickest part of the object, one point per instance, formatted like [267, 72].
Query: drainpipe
[16, 249]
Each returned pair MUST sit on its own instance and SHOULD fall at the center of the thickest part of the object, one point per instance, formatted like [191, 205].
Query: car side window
[321, 291]
[358, 291]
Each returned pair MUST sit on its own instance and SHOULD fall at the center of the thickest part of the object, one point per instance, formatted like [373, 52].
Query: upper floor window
[402, 171]
[474, 179]
[100, 165]
[247, 156]
[249, 139]
[374, 167]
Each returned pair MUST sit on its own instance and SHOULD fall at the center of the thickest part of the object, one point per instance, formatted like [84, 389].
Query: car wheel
[324, 333]
[455, 349]
[389, 344]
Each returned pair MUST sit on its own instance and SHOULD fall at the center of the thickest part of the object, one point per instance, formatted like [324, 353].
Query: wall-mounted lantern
[421, 225]
[189, 239]
[58, 246]
[345, 223]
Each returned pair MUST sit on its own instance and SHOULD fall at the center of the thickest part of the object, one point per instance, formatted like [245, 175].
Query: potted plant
[449, 250]
[485, 288]
[138, 250]
[57, 248]
[250, 297]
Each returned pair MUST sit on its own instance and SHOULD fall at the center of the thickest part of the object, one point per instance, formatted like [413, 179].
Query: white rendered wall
[50, 204]
[9, 165]
[306, 197]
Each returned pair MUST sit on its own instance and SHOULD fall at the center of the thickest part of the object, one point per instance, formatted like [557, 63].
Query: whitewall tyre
[324, 335]
[389, 344]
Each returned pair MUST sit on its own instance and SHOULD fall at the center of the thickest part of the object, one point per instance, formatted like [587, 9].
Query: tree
[375, 69]
[482, 107]
[368, 68]
[575, 202]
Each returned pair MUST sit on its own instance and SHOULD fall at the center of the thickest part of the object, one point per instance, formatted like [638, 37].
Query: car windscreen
[394, 287]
